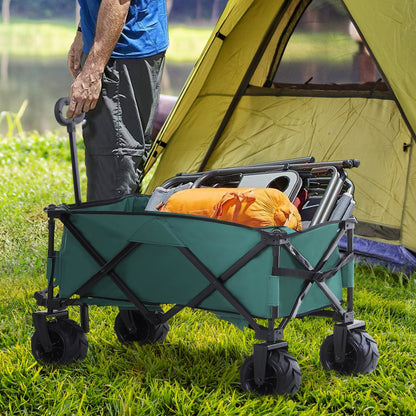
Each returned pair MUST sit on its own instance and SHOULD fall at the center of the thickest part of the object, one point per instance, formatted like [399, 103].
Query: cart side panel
[312, 244]
[158, 272]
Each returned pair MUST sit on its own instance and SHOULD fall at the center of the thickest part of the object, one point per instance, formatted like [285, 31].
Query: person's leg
[145, 79]
[117, 132]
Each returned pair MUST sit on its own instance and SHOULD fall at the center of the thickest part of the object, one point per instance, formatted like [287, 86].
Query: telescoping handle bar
[70, 124]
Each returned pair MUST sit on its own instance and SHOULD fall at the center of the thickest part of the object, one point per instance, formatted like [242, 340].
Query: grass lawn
[195, 372]
[53, 39]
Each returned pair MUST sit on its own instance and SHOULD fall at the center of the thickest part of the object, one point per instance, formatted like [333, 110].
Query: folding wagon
[125, 253]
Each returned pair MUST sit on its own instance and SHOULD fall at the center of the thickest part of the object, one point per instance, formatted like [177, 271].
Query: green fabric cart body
[158, 272]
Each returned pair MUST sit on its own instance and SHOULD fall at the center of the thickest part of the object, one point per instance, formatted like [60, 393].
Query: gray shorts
[117, 132]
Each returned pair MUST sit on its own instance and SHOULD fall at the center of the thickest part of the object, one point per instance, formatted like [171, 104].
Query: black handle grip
[351, 163]
[70, 124]
[63, 121]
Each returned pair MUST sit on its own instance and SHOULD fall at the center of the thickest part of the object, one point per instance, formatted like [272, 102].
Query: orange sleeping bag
[256, 207]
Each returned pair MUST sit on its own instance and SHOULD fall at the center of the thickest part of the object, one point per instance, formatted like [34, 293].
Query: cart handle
[63, 121]
[70, 124]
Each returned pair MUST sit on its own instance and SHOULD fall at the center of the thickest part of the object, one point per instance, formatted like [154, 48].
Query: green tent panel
[231, 114]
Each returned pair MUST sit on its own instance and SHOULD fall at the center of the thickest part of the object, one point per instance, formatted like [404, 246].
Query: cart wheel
[69, 343]
[361, 355]
[131, 326]
[283, 374]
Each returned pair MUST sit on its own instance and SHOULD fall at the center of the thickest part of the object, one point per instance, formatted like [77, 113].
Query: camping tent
[234, 110]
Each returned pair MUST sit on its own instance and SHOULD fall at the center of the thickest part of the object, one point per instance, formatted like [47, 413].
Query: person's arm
[74, 54]
[86, 88]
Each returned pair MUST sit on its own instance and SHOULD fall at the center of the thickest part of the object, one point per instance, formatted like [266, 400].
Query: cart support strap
[113, 275]
[107, 268]
[218, 285]
[314, 275]
[200, 297]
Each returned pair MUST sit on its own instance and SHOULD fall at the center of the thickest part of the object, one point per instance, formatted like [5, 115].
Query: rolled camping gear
[122, 253]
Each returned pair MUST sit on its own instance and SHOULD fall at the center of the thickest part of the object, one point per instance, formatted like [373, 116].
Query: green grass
[323, 47]
[195, 372]
[186, 43]
[13, 120]
[36, 38]
[52, 39]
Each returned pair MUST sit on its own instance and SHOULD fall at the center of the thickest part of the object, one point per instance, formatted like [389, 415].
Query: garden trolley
[121, 254]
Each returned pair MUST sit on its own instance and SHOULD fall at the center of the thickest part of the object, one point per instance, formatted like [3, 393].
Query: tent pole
[243, 84]
[357, 28]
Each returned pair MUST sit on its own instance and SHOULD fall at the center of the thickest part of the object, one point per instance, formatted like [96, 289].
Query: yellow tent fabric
[262, 125]
[215, 55]
[332, 132]
[388, 27]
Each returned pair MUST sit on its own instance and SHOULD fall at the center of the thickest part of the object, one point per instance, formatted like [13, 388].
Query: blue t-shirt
[145, 32]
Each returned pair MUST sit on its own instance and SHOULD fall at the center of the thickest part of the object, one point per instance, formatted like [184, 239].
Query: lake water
[43, 81]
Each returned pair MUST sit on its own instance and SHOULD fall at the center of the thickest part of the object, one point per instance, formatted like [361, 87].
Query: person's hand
[74, 55]
[85, 91]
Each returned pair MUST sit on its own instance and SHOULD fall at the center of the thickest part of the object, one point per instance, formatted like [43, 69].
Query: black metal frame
[277, 238]
[273, 336]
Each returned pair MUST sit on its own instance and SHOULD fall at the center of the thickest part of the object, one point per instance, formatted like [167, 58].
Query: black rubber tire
[141, 331]
[283, 375]
[69, 343]
[361, 355]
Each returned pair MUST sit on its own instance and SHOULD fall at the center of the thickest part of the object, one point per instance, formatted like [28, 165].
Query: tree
[198, 10]
[5, 11]
[77, 12]
[215, 11]
[169, 4]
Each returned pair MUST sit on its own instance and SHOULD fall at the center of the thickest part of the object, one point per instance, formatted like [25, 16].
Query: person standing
[117, 59]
